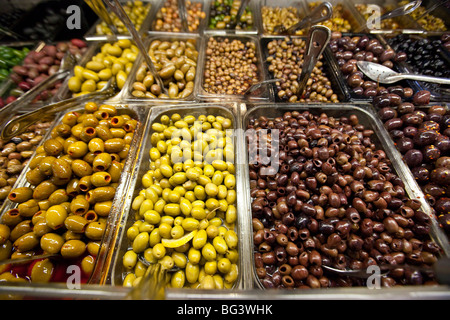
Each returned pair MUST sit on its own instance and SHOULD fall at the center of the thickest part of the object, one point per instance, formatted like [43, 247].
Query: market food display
[220, 189]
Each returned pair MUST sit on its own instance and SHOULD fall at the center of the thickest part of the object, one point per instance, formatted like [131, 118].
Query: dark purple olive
[424, 138]
[413, 158]
[387, 54]
[444, 219]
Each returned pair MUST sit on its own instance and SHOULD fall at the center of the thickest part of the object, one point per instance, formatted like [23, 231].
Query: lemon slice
[175, 243]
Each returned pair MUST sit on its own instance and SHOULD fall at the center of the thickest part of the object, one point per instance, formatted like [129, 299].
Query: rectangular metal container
[202, 94]
[253, 6]
[380, 138]
[406, 24]
[349, 13]
[329, 66]
[128, 87]
[137, 112]
[92, 35]
[280, 4]
[160, 4]
[114, 272]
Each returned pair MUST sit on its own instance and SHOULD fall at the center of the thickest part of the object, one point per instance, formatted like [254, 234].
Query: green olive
[26, 242]
[100, 179]
[53, 147]
[78, 149]
[129, 259]
[72, 249]
[96, 145]
[44, 190]
[57, 197]
[51, 242]
[20, 229]
[76, 223]
[114, 145]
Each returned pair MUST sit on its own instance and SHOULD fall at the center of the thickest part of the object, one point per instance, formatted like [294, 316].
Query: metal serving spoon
[382, 74]
[397, 12]
[99, 8]
[321, 13]
[18, 125]
[117, 8]
[252, 90]
[318, 38]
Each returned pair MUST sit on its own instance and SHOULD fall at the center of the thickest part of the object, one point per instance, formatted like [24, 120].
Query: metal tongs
[400, 11]
[322, 12]
[318, 38]
[117, 8]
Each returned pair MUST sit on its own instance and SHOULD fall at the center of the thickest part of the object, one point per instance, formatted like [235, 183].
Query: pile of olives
[113, 60]
[72, 183]
[185, 214]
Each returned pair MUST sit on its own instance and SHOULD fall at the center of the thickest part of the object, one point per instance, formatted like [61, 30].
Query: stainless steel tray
[368, 118]
[137, 112]
[202, 94]
[115, 272]
[128, 87]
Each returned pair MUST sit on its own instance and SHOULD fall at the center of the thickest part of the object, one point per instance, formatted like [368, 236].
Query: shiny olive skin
[55, 216]
[72, 249]
[62, 169]
[26, 242]
[42, 271]
[21, 194]
[4, 233]
[75, 223]
[44, 190]
[100, 194]
[51, 242]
